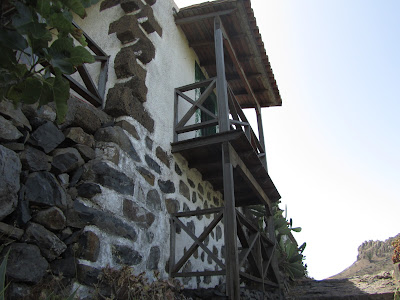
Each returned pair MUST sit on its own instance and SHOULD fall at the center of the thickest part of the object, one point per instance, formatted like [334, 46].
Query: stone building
[156, 162]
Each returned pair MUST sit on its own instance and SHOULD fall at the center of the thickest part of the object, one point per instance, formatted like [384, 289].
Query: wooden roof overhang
[248, 70]
[252, 184]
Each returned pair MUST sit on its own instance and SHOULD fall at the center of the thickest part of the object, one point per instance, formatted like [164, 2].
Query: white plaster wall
[172, 67]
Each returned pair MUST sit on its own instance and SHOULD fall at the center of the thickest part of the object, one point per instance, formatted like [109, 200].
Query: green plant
[290, 257]
[37, 49]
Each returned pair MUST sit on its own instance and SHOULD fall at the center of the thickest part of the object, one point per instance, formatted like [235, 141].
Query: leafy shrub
[37, 49]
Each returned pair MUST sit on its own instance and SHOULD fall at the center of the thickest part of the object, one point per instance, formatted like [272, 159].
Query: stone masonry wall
[98, 189]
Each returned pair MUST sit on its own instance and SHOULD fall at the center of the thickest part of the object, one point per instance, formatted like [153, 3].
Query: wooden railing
[255, 254]
[237, 118]
[90, 91]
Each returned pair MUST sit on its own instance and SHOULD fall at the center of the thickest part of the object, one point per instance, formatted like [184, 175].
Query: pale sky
[333, 147]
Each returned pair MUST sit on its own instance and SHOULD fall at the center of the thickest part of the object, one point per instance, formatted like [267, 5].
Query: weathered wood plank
[197, 104]
[222, 88]
[199, 212]
[240, 165]
[230, 228]
[198, 126]
[172, 245]
[198, 242]
[217, 138]
[195, 85]
[197, 18]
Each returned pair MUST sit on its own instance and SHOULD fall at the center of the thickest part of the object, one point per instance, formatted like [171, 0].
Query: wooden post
[261, 136]
[230, 229]
[222, 87]
[172, 246]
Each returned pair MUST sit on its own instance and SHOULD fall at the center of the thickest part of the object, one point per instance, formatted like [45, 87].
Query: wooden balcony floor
[205, 155]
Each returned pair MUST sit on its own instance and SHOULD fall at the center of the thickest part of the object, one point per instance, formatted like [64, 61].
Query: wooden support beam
[230, 228]
[197, 18]
[236, 62]
[199, 212]
[222, 87]
[172, 245]
[217, 138]
[198, 242]
[247, 175]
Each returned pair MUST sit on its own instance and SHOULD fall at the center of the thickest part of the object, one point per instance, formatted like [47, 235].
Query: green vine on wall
[37, 48]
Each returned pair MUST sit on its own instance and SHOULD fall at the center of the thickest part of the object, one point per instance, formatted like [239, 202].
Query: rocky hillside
[373, 257]
[369, 278]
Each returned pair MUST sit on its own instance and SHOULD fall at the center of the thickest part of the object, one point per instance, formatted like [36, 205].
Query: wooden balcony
[225, 37]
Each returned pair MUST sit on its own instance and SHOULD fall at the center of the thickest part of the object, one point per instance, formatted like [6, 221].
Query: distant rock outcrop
[373, 257]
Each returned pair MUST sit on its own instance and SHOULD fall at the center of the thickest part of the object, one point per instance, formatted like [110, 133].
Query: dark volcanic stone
[106, 221]
[218, 233]
[10, 168]
[166, 186]
[163, 156]
[64, 266]
[67, 159]
[126, 255]
[34, 160]
[191, 183]
[143, 49]
[108, 4]
[154, 258]
[200, 188]
[131, 129]
[88, 189]
[184, 190]
[172, 205]
[121, 101]
[131, 5]
[117, 135]
[52, 218]
[185, 207]
[50, 245]
[79, 136]
[43, 188]
[151, 2]
[147, 175]
[191, 227]
[23, 210]
[194, 197]
[47, 137]
[88, 246]
[178, 170]
[126, 65]
[102, 173]
[86, 152]
[149, 143]
[25, 263]
[8, 132]
[137, 87]
[139, 215]
[153, 200]
[15, 115]
[88, 275]
[150, 24]
[84, 115]
[152, 164]
[127, 29]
